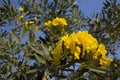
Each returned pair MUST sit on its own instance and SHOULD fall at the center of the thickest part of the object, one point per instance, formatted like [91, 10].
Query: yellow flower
[21, 9]
[21, 17]
[47, 24]
[79, 45]
[97, 20]
[57, 22]
[28, 23]
[76, 40]
[100, 52]
[77, 52]
[57, 53]
[104, 61]
[67, 41]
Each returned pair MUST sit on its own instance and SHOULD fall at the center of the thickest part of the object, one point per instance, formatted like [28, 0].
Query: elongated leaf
[40, 59]
[9, 41]
[16, 38]
[31, 37]
[23, 30]
[36, 27]
[31, 71]
[46, 50]
[37, 51]
[96, 70]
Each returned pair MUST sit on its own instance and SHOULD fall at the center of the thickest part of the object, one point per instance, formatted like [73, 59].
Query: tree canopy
[54, 40]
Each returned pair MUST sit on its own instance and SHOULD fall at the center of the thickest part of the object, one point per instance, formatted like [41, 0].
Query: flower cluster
[56, 22]
[80, 42]
[79, 45]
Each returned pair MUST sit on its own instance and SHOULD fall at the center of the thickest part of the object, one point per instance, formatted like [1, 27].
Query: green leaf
[37, 51]
[31, 71]
[16, 38]
[96, 70]
[23, 30]
[46, 50]
[40, 59]
[3, 44]
[9, 41]
[31, 37]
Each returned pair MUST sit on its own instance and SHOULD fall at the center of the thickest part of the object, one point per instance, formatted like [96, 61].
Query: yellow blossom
[104, 61]
[79, 45]
[57, 53]
[77, 52]
[57, 22]
[80, 39]
[21, 17]
[101, 51]
[21, 9]
[48, 24]
[97, 20]
[28, 23]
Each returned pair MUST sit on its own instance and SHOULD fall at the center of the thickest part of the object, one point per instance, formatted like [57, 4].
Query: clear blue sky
[91, 6]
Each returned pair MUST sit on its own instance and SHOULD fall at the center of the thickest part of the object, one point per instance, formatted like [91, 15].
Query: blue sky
[91, 6]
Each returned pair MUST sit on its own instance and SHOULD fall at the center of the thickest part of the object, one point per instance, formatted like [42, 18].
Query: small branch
[67, 65]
